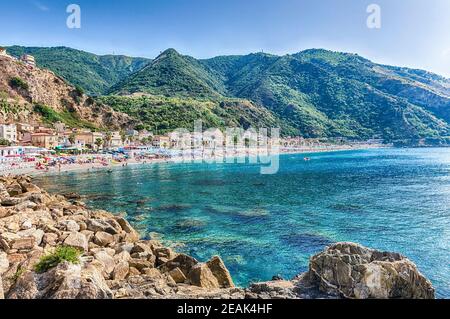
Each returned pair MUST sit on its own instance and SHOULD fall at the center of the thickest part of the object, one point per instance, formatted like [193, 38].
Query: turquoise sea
[264, 225]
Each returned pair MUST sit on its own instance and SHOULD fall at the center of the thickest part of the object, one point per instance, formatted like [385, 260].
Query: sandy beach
[100, 165]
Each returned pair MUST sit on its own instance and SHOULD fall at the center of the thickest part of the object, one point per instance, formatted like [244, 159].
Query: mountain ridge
[38, 96]
[312, 93]
[94, 73]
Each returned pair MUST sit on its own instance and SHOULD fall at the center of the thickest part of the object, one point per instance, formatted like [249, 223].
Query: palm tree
[123, 136]
[108, 138]
[98, 143]
[72, 138]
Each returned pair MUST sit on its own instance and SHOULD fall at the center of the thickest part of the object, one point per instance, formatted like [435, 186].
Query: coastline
[92, 167]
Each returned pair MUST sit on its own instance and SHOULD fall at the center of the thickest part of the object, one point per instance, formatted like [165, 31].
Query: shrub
[79, 91]
[49, 115]
[61, 254]
[4, 142]
[19, 272]
[18, 83]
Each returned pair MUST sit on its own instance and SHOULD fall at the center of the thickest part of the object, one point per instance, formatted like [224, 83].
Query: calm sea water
[264, 225]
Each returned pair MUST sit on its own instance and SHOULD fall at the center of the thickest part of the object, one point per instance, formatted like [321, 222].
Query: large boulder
[107, 262]
[121, 270]
[3, 191]
[221, 272]
[103, 239]
[77, 240]
[201, 276]
[2, 294]
[4, 262]
[352, 271]
[182, 261]
[97, 225]
[14, 189]
[66, 281]
[177, 275]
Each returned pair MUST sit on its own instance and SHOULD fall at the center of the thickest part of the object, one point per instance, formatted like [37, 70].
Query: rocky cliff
[22, 87]
[54, 247]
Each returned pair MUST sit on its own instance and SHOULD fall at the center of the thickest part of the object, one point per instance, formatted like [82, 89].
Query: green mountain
[93, 73]
[313, 93]
[316, 93]
[172, 74]
[162, 114]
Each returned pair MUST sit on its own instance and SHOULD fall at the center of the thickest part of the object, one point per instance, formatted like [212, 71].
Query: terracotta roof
[43, 134]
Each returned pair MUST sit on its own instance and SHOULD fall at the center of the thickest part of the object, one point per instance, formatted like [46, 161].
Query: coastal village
[27, 146]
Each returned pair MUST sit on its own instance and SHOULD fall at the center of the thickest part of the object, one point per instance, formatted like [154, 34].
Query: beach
[98, 162]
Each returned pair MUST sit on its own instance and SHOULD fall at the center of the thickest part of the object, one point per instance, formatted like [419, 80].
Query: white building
[8, 132]
[28, 59]
[116, 139]
[11, 151]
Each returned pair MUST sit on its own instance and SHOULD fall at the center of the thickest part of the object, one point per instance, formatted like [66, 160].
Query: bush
[18, 83]
[49, 115]
[4, 142]
[61, 254]
[79, 91]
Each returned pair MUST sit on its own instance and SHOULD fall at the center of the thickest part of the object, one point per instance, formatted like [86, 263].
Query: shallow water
[264, 225]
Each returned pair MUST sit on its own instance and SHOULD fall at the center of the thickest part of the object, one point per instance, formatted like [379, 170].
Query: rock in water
[353, 271]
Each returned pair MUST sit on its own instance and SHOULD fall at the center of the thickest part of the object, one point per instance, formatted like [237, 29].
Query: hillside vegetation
[94, 73]
[314, 93]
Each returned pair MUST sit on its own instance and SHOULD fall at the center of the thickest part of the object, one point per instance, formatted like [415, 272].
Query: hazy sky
[414, 33]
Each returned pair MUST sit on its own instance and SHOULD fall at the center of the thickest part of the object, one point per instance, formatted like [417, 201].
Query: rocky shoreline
[55, 247]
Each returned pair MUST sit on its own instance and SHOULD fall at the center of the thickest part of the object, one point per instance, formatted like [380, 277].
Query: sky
[413, 33]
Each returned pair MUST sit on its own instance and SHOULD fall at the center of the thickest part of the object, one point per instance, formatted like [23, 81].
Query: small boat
[307, 159]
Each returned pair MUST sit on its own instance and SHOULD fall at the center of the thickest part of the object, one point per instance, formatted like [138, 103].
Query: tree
[123, 136]
[4, 142]
[72, 138]
[108, 138]
[98, 143]
[18, 83]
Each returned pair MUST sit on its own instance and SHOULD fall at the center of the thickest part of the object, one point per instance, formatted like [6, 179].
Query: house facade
[28, 60]
[45, 140]
[161, 141]
[8, 132]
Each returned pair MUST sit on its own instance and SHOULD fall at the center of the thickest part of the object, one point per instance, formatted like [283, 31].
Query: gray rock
[353, 271]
